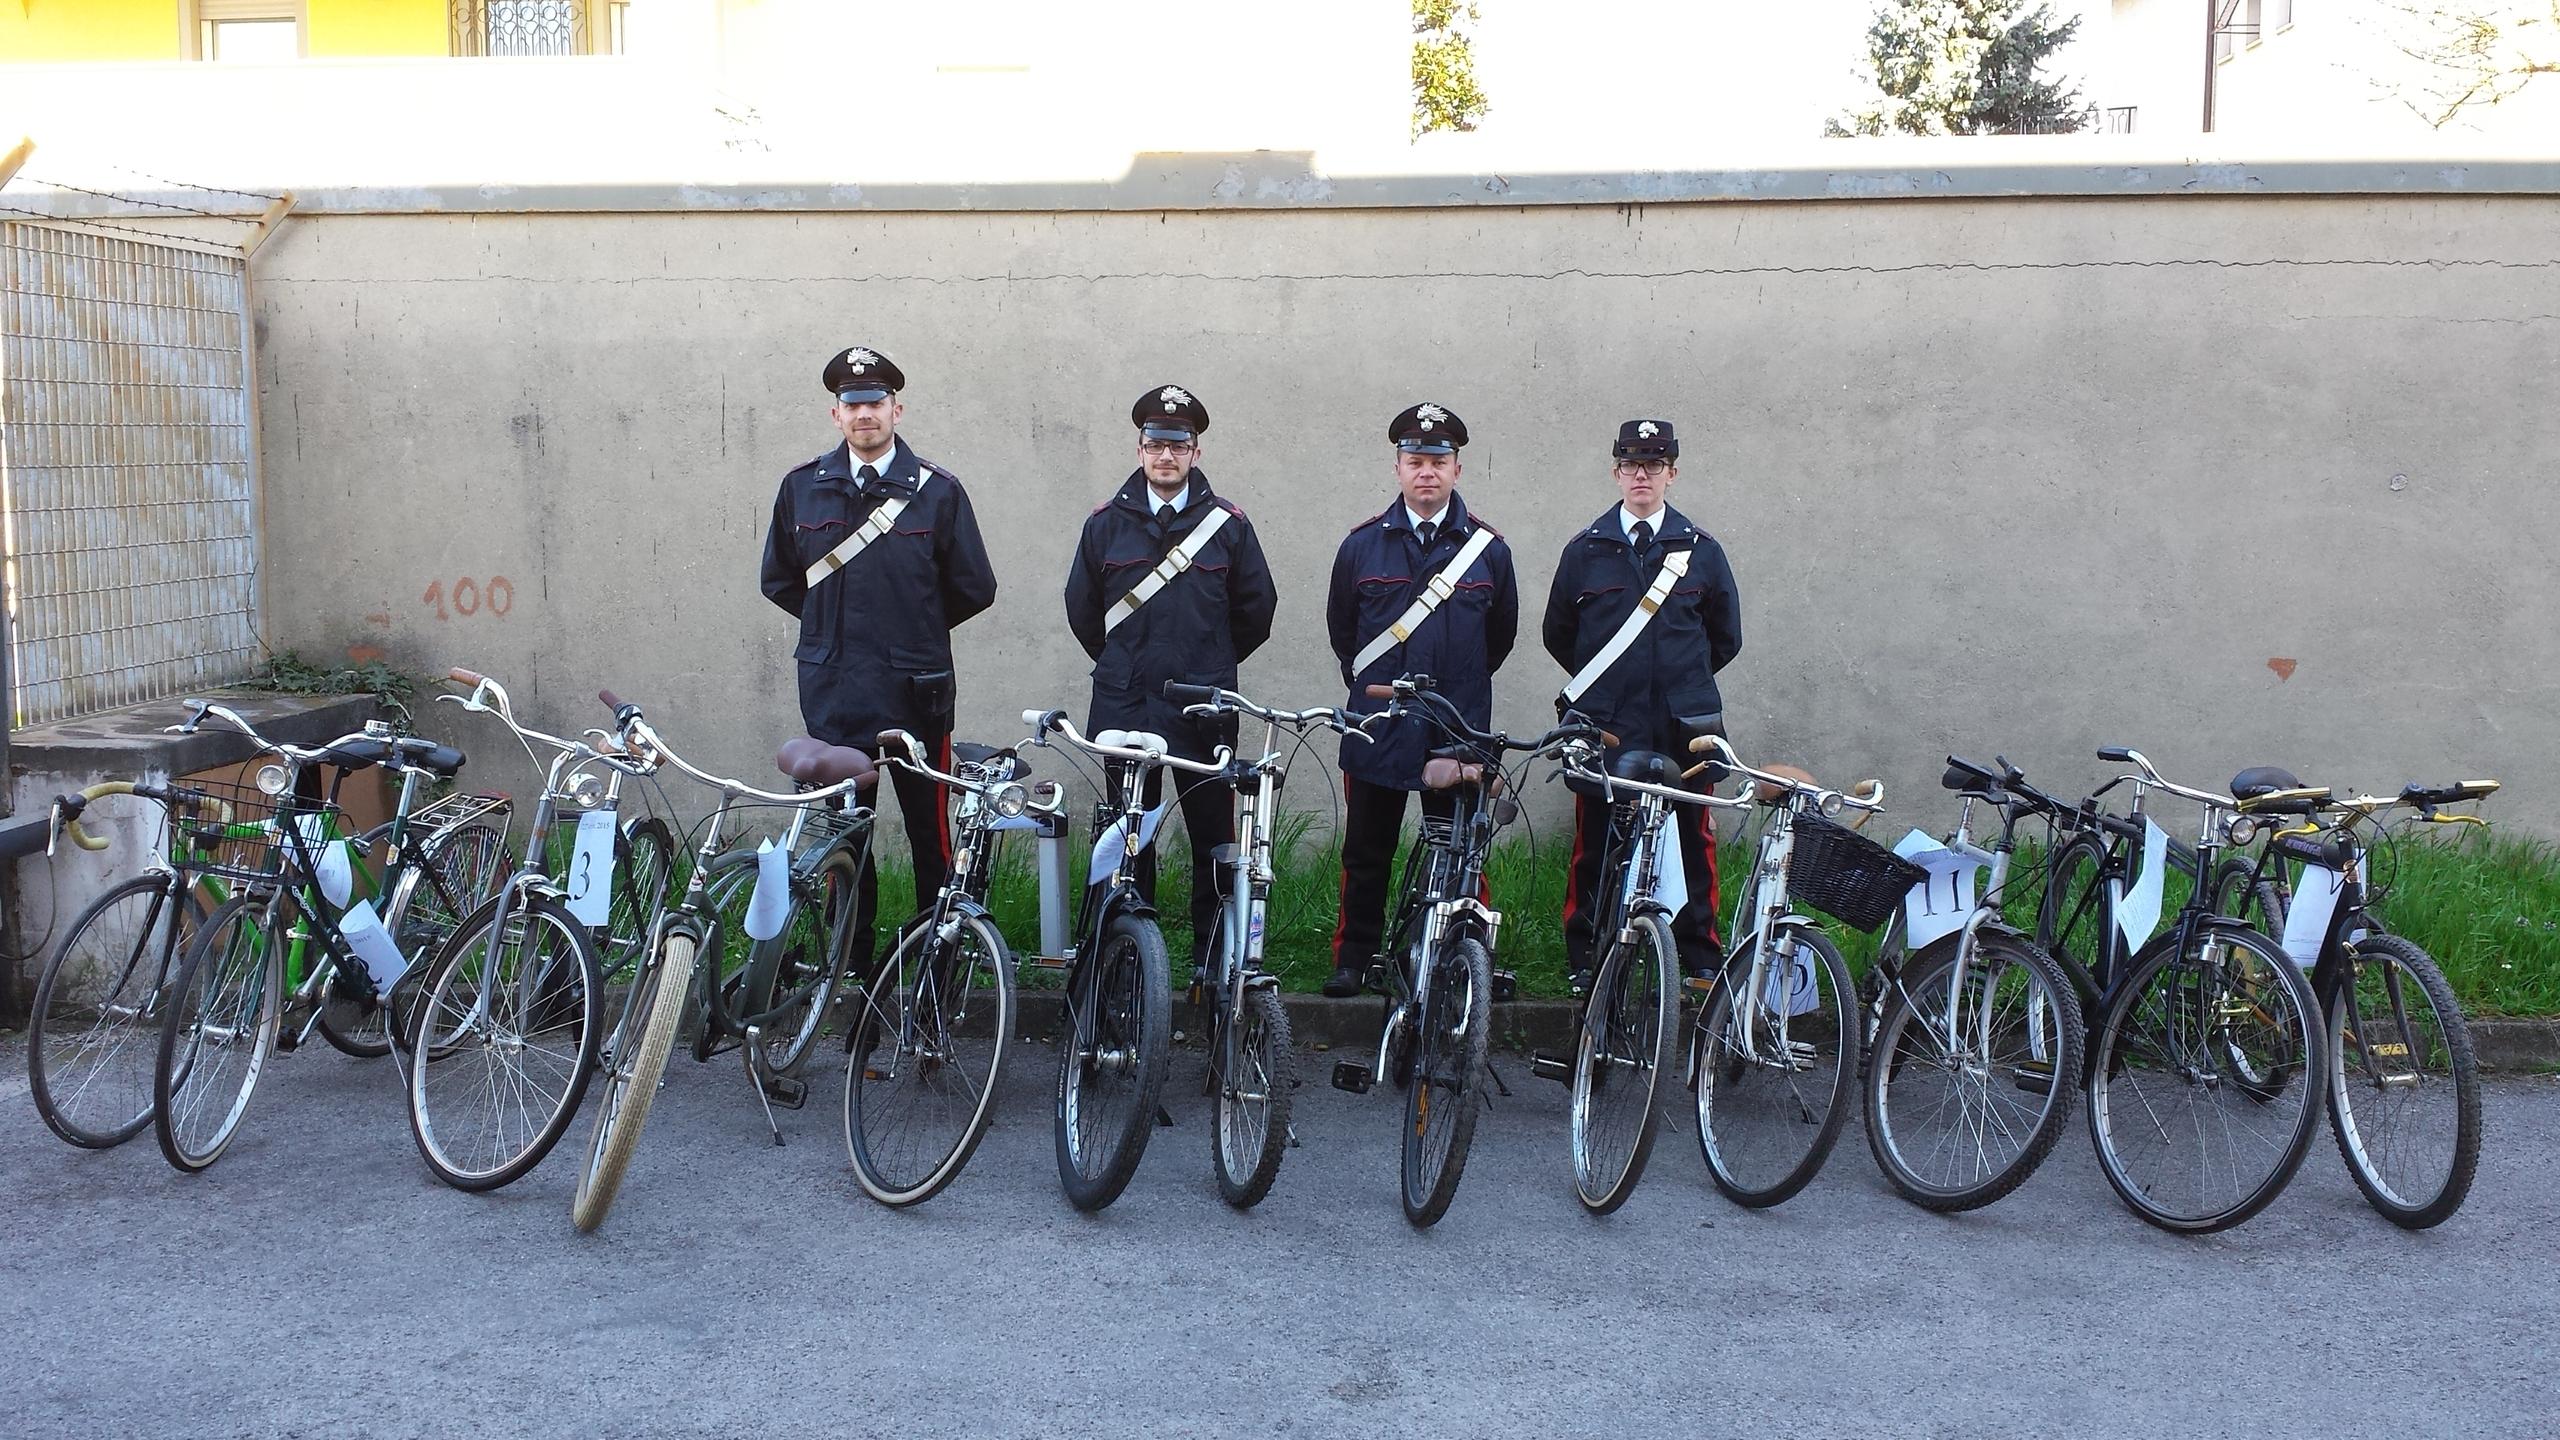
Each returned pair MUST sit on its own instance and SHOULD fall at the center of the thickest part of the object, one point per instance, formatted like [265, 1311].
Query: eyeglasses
[1167, 447]
[1649, 469]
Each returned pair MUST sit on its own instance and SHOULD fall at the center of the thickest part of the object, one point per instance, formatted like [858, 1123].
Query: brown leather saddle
[815, 763]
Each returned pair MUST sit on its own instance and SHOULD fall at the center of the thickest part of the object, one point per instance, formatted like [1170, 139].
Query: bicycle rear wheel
[94, 1031]
[1969, 1085]
[795, 975]
[2404, 1086]
[220, 1029]
[1450, 1036]
[515, 1015]
[2192, 1103]
[631, 1082]
[930, 1036]
[1770, 1106]
[1625, 1045]
[1113, 1049]
[1251, 1129]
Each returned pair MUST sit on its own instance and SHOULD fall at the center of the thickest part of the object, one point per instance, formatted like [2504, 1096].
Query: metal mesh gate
[127, 494]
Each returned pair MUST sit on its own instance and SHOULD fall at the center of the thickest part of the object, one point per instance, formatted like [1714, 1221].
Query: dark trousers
[924, 806]
[1209, 818]
[1693, 929]
[1372, 822]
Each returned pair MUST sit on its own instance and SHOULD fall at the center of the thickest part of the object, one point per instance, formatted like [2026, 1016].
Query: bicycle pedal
[788, 1091]
[1353, 1076]
[1375, 979]
[1700, 984]
[2036, 1077]
[1551, 1067]
[1045, 962]
[1506, 987]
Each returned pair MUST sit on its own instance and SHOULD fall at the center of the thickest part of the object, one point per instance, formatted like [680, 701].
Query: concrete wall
[2235, 480]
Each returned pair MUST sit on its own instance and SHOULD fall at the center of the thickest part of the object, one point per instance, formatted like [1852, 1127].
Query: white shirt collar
[1156, 502]
[1417, 522]
[881, 466]
[1627, 521]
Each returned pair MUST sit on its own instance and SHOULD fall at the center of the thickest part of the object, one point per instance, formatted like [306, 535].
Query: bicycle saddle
[996, 761]
[814, 762]
[1134, 740]
[1447, 772]
[412, 750]
[2263, 780]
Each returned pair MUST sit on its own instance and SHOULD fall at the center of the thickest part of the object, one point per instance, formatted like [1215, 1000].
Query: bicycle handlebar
[647, 747]
[1055, 722]
[1210, 700]
[1867, 795]
[2151, 776]
[1441, 712]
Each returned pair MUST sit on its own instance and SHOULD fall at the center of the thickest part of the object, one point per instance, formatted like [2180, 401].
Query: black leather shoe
[1345, 981]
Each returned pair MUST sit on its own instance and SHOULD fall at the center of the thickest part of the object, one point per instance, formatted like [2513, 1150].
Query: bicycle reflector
[1011, 801]
[272, 779]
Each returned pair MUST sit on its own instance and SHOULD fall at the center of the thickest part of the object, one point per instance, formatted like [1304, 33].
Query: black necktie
[865, 476]
[1164, 515]
[1642, 535]
[1429, 529]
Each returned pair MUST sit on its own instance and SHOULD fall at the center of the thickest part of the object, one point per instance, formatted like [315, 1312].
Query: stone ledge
[132, 740]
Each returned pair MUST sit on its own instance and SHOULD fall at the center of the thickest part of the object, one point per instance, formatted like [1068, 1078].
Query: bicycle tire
[644, 864]
[1118, 1028]
[419, 914]
[119, 1041]
[1250, 1132]
[908, 1006]
[1751, 1126]
[2239, 897]
[630, 1087]
[1451, 1036]
[1624, 1046]
[2211, 1015]
[801, 969]
[2027, 1040]
[2426, 1200]
[2075, 919]
[237, 958]
[728, 887]
[552, 986]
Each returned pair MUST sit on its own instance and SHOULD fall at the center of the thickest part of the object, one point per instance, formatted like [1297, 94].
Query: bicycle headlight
[1011, 801]
[585, 790]
[2244, 828]
[272, 779]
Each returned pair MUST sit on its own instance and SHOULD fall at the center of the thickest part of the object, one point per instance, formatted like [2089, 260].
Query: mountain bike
[294, 944]
[1253, 1068]
[2198, 1033]
[2403, 1081]
[1775, 1050]
[1437, 967]
[636, 1051]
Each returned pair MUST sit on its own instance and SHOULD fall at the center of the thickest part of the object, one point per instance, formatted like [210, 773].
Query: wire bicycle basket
[1845, 875]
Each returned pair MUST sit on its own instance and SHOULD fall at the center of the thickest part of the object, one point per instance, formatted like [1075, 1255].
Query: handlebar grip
[1382, 692]
[2115, 754]
[1607, 739]
[1182, 694]
[460, 676]
[609, 700]
[2119, 826]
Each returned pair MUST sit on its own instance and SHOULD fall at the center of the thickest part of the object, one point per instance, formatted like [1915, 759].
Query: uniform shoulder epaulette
[813, 462]
[1363, 525]
[1098, 509]
[1477, 519]
[1231, 507]
[935, 467]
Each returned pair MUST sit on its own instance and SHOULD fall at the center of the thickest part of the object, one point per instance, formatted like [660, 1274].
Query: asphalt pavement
[319, 1282]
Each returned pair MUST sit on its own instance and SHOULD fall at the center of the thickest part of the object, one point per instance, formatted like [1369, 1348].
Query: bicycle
[835, 844]
[253, 966]
[1253, 1068]
[2403, 1081]
[1440, 983]
[1978, 1038]
[1772, 1069]
[2199, 1031]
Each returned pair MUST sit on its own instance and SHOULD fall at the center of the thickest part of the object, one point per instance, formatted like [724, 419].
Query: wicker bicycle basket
[1845, 875]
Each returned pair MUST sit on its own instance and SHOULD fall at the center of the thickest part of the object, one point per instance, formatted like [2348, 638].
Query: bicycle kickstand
[1497, 1078]
[748, 1052]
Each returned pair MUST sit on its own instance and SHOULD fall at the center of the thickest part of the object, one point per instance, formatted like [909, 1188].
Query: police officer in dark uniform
[1385, 565]
[1169, 583]
[875, 550]
[1659, 692]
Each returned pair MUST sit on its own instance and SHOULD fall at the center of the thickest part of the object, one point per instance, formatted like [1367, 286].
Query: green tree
[1965, 67]
[2470, 54]
[1445, 93]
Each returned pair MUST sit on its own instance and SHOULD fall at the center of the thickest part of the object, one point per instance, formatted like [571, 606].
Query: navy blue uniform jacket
[1381, 567]
[1670, 671]
[875, 636]
[1197, 629]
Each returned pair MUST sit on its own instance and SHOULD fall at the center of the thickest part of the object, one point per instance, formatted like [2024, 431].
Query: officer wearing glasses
[1646, 675]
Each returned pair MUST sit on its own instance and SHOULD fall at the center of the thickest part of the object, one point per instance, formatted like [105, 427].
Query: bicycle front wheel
[1774, 1068]
[1970, 1078]
[631, 1082]
[930, 1035]
[95, 1028]
[219, 1031]
[1625, 1045]
[1113, 1049]
[2075, 922]
[2192, 1096]
[2404, 1086]
[514, 1015]
[1451, 1034]
[1257, 1070]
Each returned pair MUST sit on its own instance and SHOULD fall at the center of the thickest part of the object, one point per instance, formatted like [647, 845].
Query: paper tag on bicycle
[590, 879]
[1112, 845]
[1014, 822]
[373, 945]
[1670, 878]
[1792, 988]
[2138, 909]
[771, 904]
[1943, 900]
[2306, 920]
[336, 874]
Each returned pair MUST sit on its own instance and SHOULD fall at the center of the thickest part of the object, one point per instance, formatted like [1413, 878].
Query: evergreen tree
[1965, 67]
